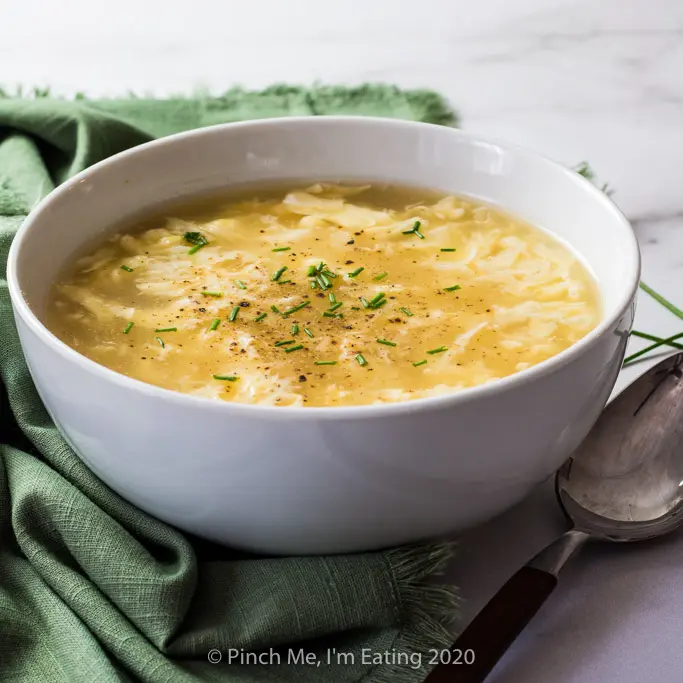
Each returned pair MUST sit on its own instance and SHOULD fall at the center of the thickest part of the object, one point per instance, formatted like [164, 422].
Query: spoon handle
[482, 644]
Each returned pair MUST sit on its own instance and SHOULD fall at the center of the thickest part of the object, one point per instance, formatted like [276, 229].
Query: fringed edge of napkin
[390, 101]
[427, 611]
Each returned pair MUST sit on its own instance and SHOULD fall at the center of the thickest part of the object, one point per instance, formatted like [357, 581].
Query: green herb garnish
[311, 271]
[454, 288]
[329, 314]
[308, 332]
[128, 269]
[415, 230]
[197, 239]
[361, 360]
[274, 308]
[278, 273]
[284, 343]
[381, 276]
[283, 282]
[407, 312]
[216, 294]
[335, 306]
[325, 362]
[296, 308]
[386, 342]
[439, 349]
[166, 329]
[234, 313]
[282, 248]
[356, 272]
[332, 298]
[364, 302]
[240, 284]
[294, 348]
[259, 318]
[295, 329]
[375, 300]
[418, 363]
[128, 328]
[214, 324]
[161, 342]
[447, 249]
[226, 378]
[314, 284]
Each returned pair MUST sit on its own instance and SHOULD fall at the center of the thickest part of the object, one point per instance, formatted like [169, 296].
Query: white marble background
[600, 80]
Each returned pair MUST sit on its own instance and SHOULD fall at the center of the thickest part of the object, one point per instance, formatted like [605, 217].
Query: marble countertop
[574, 79]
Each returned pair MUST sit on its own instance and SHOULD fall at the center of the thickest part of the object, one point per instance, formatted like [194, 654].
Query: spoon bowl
[625, 481]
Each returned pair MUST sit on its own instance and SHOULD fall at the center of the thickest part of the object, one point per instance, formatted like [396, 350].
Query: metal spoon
[624, 483]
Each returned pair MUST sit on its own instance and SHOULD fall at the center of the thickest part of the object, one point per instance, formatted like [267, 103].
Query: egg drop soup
[324, 295]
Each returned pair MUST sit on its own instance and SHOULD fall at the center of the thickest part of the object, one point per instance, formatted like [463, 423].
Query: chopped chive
[233, 314]
[379, 304]
[320, 267]
[215, 323]
[311, 271]
[128, 328]
[407, 312]
[240, 284]
[418, 363]
[329, 314]
[314, 284]
[197, 239]
[278, 273]
[226, 378]
[284, 343]
[386, 342]
[259, 318]
[381, 276]
[166, 329]
[448, 250]
[294, 348]
[361, 360]
[364, 302]
[323, 284]
[161, 342]
[454, 288]
[355, 308]
[323, 278]
[439, 349]
[415, 230]
[329, 273]
[274, 308]
[282, 248]
[283, 282]
[216, 294]
[308, 332]
[337, 305]
[332, 298]
[376, 299]
[296, 308]
[325, 362]
[128, 269]
[356, 272]
[295, 329]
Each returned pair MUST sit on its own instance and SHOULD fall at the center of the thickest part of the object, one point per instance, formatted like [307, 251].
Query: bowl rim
[367, 411]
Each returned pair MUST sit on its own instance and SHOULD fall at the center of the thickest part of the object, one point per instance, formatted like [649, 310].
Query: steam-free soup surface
[325, 295]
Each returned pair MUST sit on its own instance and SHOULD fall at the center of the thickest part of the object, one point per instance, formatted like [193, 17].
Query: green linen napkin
[92, 590]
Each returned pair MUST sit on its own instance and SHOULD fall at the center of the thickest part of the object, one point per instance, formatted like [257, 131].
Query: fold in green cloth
[93, 590]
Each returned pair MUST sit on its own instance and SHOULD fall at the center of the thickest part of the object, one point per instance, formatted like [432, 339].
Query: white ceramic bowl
[314, 480]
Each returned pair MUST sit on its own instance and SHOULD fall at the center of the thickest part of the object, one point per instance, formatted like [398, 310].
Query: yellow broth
[420, 294]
